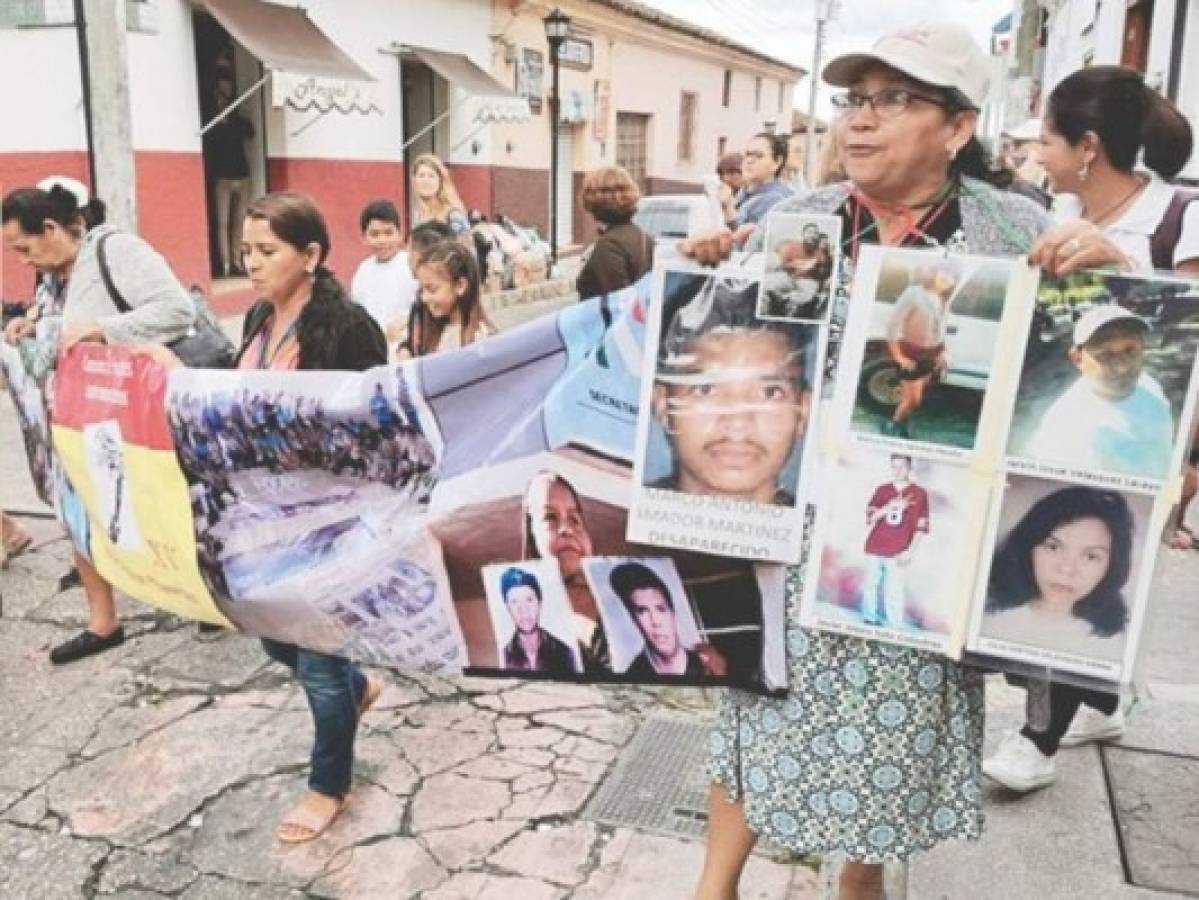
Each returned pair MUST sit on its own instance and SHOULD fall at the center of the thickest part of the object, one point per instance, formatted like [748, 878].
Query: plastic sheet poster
[461, 512]
[984, 468]
[1000, 459]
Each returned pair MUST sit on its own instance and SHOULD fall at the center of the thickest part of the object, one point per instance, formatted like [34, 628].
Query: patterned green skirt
[873, 755]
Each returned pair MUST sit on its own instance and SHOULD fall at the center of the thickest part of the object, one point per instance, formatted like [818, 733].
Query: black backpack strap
[106, 274]
[1168, 233]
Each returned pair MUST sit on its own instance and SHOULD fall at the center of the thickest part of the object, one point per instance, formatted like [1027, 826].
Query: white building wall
[40, 113]
[458, 26]
[162, 83]
[1082, 32]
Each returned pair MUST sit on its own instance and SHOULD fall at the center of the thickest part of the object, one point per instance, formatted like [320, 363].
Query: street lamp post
[557, 24]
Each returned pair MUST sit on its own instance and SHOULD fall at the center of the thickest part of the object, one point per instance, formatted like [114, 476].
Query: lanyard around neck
[265, 360]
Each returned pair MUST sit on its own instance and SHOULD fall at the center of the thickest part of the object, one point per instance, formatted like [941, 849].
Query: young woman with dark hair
[1097, 122]
[1059, 577]
[306, 321]
[623, 252]
[58, 230]
[1022, 574]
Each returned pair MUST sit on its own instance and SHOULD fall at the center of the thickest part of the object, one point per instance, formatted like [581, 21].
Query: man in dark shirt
[651, 608]
[532, 648]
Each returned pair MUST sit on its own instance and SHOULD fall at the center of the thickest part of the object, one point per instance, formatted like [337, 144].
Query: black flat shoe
[85, 644]
[70, 580]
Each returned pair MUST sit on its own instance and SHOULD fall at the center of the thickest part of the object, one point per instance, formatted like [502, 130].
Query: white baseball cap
[938, 54]
[1099, 316]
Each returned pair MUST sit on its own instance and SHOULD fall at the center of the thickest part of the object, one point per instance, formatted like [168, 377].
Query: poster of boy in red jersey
[897, 518]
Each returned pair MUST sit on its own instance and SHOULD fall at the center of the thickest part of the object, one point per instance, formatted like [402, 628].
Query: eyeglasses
[887, 103]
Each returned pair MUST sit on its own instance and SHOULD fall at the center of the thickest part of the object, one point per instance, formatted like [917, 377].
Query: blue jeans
[334, 687]
[883, 594]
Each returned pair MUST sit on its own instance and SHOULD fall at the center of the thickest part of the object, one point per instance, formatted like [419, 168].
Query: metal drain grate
[661, 781]
[1153, 797]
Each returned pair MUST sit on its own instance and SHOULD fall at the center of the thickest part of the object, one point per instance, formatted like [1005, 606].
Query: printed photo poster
[919, 354]
[801, 255]
[1108, 379]
[647, 615]
[306, 491]
[727, 404]
[896, 541]
[112, 439]
[531, 618]
[1067, 576]
[558, 512]
[29, 400]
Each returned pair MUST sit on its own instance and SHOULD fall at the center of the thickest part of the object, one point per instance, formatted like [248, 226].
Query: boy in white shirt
[1115, 417]
[384, 284]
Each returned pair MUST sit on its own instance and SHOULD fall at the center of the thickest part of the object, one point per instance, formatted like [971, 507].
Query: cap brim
[840, 72]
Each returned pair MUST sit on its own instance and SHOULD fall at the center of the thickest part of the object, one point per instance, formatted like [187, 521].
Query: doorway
[224, 70]
[1137, 21]
[426, 98]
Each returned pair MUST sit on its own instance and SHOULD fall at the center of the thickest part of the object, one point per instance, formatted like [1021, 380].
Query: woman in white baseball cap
[874, 754]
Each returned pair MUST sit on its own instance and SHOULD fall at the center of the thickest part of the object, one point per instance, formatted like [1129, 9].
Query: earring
[1085, 170]
[953, 153]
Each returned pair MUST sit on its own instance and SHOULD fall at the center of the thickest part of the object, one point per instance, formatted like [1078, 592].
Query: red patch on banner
[95, 383]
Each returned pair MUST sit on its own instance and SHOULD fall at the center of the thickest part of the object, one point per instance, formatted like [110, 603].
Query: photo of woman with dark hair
[554, 528]
[1058, 577]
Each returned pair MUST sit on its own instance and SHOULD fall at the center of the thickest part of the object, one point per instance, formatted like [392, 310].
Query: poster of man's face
[1107, 376]
[731, 395]
[927, 344]
[651, 627]
[893, 538]
[531, 617]
[801, 255]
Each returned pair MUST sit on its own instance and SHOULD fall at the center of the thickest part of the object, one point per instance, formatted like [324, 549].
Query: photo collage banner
[965, 458]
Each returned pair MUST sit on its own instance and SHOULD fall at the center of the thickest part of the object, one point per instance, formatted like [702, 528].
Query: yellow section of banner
[140, 526]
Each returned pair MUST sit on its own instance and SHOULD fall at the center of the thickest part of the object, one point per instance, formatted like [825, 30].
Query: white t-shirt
[1132, 436]
[386, 290]
[1133, 230]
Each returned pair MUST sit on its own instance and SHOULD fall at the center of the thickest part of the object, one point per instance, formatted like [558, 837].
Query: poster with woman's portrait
[560, 512]
[531, 618]
[1065, 585]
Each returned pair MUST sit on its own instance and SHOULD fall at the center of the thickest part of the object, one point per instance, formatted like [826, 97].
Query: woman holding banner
[58, 230]
[874, 755]
[1098, 122]
[306, 321]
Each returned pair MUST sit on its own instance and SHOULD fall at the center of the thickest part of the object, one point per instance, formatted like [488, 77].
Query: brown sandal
[374, 687]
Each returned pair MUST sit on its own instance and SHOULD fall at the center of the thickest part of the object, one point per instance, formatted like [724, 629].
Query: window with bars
[722, 147]
[632, 145]
[687, 104]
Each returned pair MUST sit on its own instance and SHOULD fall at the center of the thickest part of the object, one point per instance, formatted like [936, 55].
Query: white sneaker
[1019, 766]
[1092, 725]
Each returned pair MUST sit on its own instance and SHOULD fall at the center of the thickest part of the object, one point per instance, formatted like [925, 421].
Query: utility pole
[107, 80]
[824, 11]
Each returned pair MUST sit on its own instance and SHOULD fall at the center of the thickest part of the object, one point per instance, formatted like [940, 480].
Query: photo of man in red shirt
[897, 518]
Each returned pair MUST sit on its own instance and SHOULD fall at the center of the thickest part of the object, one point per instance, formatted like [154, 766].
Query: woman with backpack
[1097, 122]
[57, 230]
